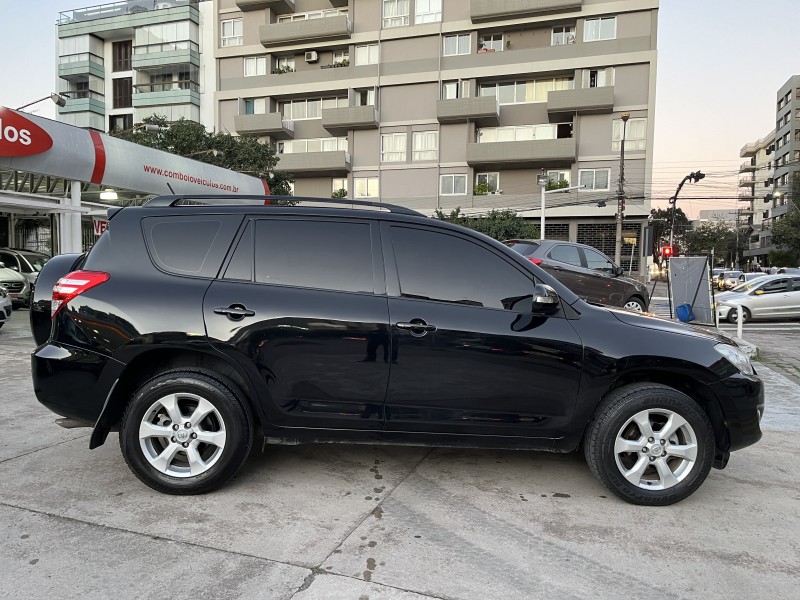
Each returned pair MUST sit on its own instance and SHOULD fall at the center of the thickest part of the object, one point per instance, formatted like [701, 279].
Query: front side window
[601, 28]
[395, 13]
[773, 287]
[635, 135]
[427, 11]
[453, 185]
[595, 260]
[231, 33]
[365, 187]
[426, 145]
[594, 179]
[393, 147]
[440, 267]
[490, 182]
[367, 54]
[456, 44]
[344, 265]
[255, 65]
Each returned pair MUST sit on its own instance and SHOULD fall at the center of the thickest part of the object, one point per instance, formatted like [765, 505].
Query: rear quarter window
[189, 245]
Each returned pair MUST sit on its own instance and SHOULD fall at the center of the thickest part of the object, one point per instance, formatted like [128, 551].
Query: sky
[720, 64]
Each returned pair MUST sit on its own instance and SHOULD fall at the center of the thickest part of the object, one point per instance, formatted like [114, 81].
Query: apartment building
[755, 182]
[123, 61]
[787, 146]
[438, 104]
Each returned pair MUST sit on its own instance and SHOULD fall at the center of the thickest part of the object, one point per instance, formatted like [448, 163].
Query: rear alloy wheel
[634, 305]
[732, 318]
[186, 432]
[650, 444]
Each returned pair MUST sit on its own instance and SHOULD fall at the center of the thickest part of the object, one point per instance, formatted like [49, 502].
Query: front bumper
[742, 401]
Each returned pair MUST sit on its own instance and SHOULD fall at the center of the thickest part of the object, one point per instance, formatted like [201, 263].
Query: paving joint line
[5, 460]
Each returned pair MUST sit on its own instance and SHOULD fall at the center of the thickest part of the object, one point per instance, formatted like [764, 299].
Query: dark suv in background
[586, 271]
[318, 324]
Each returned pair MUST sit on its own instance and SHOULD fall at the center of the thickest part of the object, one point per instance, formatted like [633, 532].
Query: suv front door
[469, 355]
[614, 291]
[302, 304]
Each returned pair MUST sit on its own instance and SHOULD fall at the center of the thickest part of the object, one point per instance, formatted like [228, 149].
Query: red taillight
[74, 284]
[536, 261]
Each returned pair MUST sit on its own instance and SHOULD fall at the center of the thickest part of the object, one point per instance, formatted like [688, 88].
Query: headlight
[736, 357]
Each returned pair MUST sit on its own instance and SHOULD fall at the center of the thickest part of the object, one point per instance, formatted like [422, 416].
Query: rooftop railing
[118, 9]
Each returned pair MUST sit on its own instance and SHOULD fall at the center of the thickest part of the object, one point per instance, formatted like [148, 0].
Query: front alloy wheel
[634, 305]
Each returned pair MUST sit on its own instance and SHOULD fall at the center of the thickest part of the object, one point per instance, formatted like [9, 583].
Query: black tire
[231, 415]
[606, 428]
[635, 300]
[732, 315]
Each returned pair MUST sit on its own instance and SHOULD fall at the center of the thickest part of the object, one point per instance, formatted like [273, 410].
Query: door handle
[416, 326]
[235, 311]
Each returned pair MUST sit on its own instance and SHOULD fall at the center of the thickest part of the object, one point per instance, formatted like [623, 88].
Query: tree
[499, 224]
[661, 220]
[782, 258]
[721, 237]
[340, 193]
[243, 154]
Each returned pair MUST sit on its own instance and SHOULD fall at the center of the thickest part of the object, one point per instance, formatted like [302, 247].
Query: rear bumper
[742, 401]
[72, 382]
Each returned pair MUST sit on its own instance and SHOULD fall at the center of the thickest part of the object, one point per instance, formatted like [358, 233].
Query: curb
[751, 350]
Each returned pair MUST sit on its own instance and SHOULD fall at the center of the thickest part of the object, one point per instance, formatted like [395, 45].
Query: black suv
[586, 271]
[195, 322]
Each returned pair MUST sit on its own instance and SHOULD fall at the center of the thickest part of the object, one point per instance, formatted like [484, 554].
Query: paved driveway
[364, 522]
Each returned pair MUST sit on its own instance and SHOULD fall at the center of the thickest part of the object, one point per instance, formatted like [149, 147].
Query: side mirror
[545, 298]
[618, 271]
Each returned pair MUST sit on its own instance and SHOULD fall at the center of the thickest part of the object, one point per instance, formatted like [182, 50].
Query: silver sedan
[769, 297]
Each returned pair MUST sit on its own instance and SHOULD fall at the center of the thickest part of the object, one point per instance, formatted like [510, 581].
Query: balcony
[746, 196]
[587, 101]
[746, 167]
[279, 7]
[271, 124]
[522, 155]
[316, 164]
[84, 63]
[166, 54]
[339, 121]
[483, 110]
[487, 10]
[747, 180]
[124, 16]
[309, 30]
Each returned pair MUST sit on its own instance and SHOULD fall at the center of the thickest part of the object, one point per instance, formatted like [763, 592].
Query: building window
[231, 32]
[121, 55]
[365, 96]
[427, 11]
[426, 146]
[314, 14]
[491, 43]
[255, 106]
[519, 92]
[339, 184]
[635, 135]
[455, 89]
[284, 64]
[309, 108]
[365, 187]
[367, 54]
[557, 176]
[393, 147]
[563, 35]
[123, 92]
[594, 78]
[328, 144]
[395, 13]
[594, 179]
[601, 28]
[341, 57]
[255, 65]
[490, 180]
[120, 122]
[453, 185]
[522, 133]
[456, 44]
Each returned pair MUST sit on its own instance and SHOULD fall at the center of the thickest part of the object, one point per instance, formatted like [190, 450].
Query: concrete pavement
[390, 523]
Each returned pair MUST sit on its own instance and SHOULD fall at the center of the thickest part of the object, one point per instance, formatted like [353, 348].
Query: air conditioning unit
[312, 56]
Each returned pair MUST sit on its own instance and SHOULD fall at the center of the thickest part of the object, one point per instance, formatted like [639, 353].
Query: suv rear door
[302, 303]
[478, 361]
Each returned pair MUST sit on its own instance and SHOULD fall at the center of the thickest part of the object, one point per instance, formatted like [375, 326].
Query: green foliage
[783, 258]
[340, 193]
[786, 231]
[556, 185]
[243, 154]
[499, 224]
[661, 220]
[719, 236]
[481, 189]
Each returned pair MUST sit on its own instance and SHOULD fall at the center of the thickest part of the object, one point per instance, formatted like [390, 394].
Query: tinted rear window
[524, 248]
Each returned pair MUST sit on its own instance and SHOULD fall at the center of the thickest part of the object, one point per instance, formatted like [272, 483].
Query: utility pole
[621, 192]
[694, 176]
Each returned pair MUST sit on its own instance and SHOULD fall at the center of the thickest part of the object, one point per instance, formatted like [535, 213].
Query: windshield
[747, 286]
[37, 261]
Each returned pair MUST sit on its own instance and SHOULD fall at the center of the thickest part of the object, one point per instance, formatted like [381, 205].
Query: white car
[18, 287]
[768, 297]
[5, 306]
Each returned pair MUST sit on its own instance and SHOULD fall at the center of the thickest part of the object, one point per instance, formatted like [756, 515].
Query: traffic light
[666, 251]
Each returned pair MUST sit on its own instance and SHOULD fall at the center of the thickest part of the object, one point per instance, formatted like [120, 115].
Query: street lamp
[694, 176]
[621, 192]
[542, 179]
[59, 99]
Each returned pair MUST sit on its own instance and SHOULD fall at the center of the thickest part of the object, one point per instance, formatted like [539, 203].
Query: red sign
[21, 137]
[100, 225]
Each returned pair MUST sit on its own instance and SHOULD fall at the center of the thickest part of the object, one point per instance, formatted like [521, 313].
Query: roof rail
[256, 200]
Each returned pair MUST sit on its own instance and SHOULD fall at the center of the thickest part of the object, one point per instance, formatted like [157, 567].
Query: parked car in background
[789, 271]
[728, 280]
[5, 306]
[26, 262]
[19, 288]
[745, 277]
[586, 271]
[768, 297]
[715, 273]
